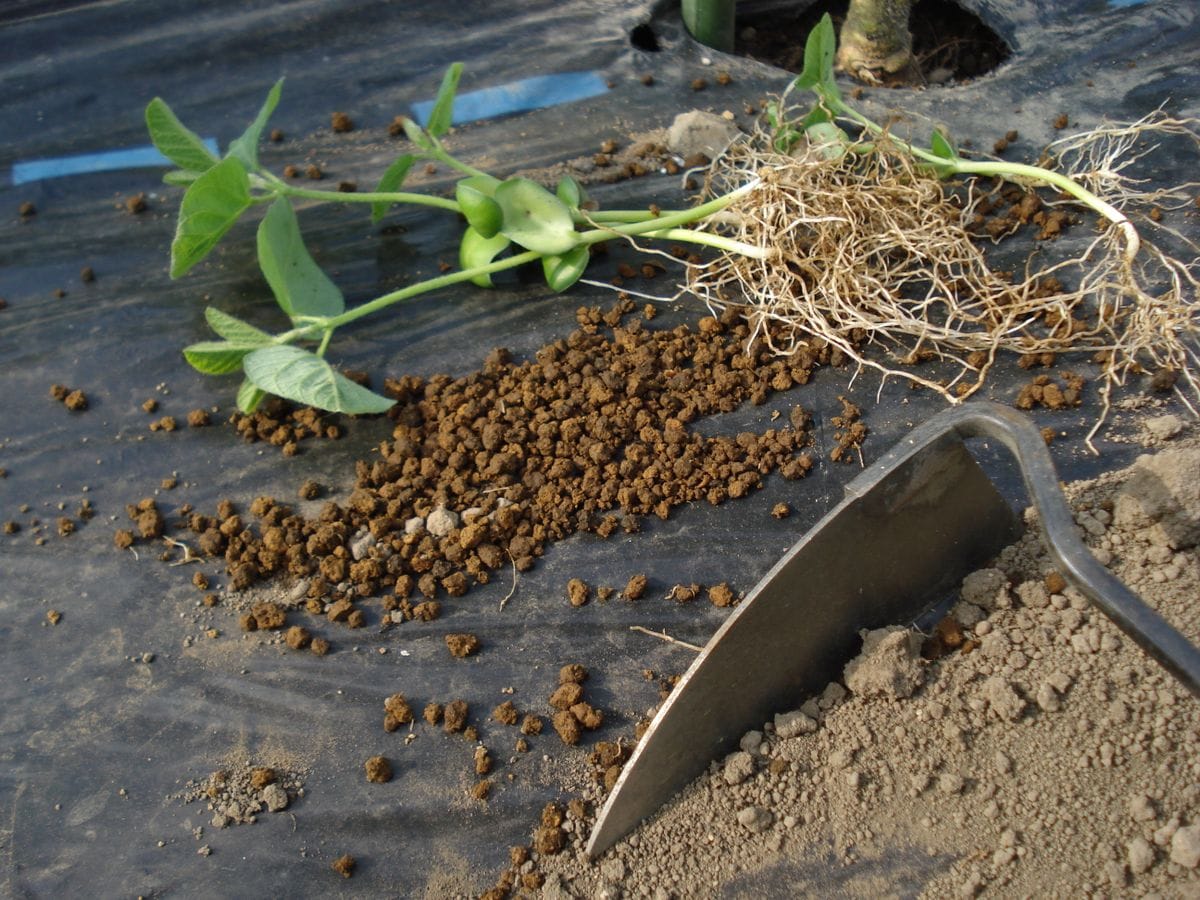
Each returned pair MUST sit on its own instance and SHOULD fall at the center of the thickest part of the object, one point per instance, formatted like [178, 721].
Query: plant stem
[660, 227]
[367, 197]
[433, 284]
[706, 239]
[1013, 171]
[444, 155]
[711, 22]
[324, 341]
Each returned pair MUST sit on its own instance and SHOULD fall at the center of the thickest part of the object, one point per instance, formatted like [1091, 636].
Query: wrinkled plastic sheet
[93, 745]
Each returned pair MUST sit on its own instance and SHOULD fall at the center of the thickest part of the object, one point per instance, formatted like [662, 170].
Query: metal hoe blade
[910, 528]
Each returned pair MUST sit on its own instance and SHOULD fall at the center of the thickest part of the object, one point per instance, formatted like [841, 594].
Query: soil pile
[1039, 753]
[485, 470]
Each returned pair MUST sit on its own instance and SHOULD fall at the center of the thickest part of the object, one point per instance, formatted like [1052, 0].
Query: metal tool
[909, 529]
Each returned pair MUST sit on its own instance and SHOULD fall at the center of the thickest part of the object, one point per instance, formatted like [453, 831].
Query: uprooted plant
[868, 246]
[556, 229]
[854, 241]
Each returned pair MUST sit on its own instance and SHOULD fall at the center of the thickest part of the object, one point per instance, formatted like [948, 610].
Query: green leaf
[209, 209]
[216, 357]
[296, 374]
[299, 285]
[443, 107]
[176, 141]
[941, 147]
[180, 177]
[245, 147]
[570, 193]
[485, 184]
[563, 271]
[819, 51]
[481, 211]
[475, 250]
[249, 395]
[535, 218]
[234, 329]
[417, 135]
[392, 179]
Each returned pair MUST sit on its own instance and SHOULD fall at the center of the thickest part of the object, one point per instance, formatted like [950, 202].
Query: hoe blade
[909, 530]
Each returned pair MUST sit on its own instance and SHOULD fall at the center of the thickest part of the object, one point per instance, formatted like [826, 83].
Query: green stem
[666, 221]
[1012, 171]
[711, 22]
[444, 155]
[367, 197]
[664, 227]
[613, 215]
[324, 341]
[423, 287]
[705, 239]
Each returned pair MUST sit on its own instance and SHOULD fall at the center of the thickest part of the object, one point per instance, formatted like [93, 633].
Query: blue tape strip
[518, 96]
[1124, 3]
[104, 161]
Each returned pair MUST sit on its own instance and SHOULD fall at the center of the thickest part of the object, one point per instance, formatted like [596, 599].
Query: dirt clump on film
[485, 471]
[1026, 747]
[237, 794]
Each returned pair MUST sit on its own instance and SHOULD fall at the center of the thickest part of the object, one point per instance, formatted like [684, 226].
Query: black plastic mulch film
[94, 741]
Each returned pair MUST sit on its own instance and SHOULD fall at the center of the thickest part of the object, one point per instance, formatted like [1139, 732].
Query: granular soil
[237, 794]
[487, 470]
[1026, 747]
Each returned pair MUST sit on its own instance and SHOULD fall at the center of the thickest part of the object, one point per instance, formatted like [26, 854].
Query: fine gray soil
[1045, 756]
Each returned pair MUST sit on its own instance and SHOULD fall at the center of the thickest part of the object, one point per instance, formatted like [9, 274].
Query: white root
[871, 251]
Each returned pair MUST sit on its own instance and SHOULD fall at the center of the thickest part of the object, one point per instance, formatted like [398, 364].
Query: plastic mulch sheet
[107, 715]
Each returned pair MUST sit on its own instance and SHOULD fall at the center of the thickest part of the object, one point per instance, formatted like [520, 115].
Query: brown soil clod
[566, 695]
[506, 713]
[482, 761]
[454, 716]
[849, 434]
[73, 399]
[572, 673]
[721, 595]
[397, 712]
[578, 593]
[684, 593]
[1045, 392]
[378, 769]
[635, 588]
[269, 615]
[344, 865]
[462, 645]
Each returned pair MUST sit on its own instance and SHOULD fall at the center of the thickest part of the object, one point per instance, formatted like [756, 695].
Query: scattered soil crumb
[578, 593]
[344, 865]
[721, 595]
[73, 399]
[237, 794]
[462, 645]
[849, 434]
[454, 716]
[635, 588]
[378, 769]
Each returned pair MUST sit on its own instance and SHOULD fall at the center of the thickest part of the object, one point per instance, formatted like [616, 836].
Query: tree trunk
[876, 45]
